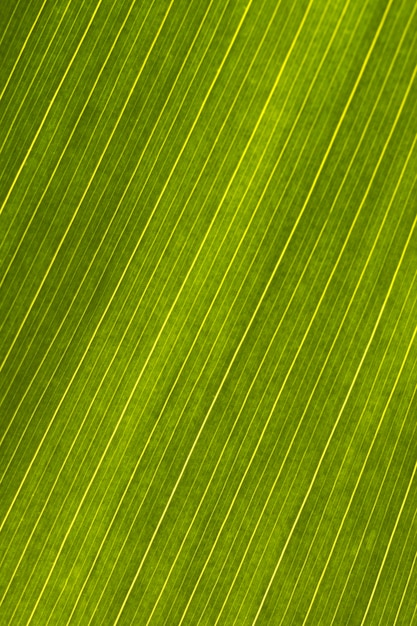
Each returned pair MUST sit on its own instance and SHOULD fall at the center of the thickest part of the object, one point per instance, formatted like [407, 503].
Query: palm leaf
[208, 312]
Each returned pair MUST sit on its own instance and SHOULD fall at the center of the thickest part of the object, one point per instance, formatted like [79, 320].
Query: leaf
[208, 312]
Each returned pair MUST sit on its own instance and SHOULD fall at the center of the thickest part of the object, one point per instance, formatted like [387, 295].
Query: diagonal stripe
[265, 290]
[310, 487]
[316, 534]
[63, 152]
[34, 76]
[23, 48]
[4, 33]
[35, 138]
[231, 256]
[147, 360]
[285, 381]
[92, 176]
[185, 360]
[108, 305]
[103, 240]
[390, 540]
[410, 574]
[322, 369]
[91, 403]
[358, 481]
[406, 542]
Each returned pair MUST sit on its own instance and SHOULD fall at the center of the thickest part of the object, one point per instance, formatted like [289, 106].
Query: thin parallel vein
[45, 116]
[414, 615]
[182, 367]
[69, 309]
[252, 135]
[316, 534]
[15, 8]
[67, 313]
[73, 445]
[298, 426]
[240, 343]
[247, 395]
[146, 362]
[102, 317]
[213, 347]
[392, 580]
[125, 270]
[259, 304]
[354, 491]
[347, 578]
[375, 381]
[80, 202]
[276, 402]
[404, 593]
[171, 173]
[109, 179]
[196, 337]
[16, 111]
[128, 363]
[410, 529]
[387, 502]
[255, 312]
[341, 411]
[286, 498]
[104, 110]
[161, 557]
[371, 597]
[23, 48]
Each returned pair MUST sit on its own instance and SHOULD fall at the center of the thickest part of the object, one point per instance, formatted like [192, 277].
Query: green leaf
[208, 312]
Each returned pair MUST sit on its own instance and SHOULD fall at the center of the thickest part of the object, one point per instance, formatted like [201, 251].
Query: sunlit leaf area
[208, 312]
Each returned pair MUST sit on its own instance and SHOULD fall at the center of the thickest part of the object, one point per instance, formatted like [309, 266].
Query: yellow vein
[281, 389]
[219, 333]
[404, 593]
[117, 286]
[16, 6]
[91, 403]
[203, 496]
[29, 151]
[313, 480]
[91, 177]
[149, 356]
[10, 124]
[390, 539]
[311, 394]
[254, 314]
[347, 451]
[339, 531]
[411, 529]
[22, 50]
[106, 232]
[35, 211]
[189, 352]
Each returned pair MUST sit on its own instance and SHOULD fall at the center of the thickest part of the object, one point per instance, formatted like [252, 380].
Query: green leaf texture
[208, 312]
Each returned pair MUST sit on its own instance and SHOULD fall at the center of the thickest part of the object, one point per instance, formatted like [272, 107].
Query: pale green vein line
[147, 360]
[35, 297]
[28, 36]
[368, 606]
[404, 593]
[313, 480]
[54, 97]
[339, 531]
[75, 126]
[10, 125]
